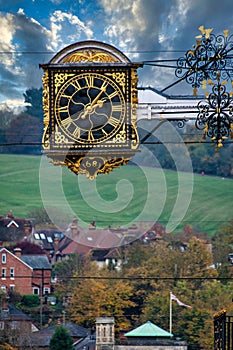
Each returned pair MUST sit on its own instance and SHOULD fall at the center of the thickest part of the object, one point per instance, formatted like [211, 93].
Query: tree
[24, 135]
[101, 296]
[61, 339]
[28, 248]
[66, 269]
[42, 219]
[33, 97]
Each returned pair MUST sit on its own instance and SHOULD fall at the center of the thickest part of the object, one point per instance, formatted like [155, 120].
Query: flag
[173, 297]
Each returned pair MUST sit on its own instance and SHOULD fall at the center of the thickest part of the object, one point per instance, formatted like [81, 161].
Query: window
[14, 324]
[36, 290]
[12, 273]
[4, 258]
[1, 326]
[12, 287]
[42, 236]
[46, 290]
[3, 273]
[36, 235]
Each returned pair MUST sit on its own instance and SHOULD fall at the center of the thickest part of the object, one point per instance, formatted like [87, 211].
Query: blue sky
[32, 31]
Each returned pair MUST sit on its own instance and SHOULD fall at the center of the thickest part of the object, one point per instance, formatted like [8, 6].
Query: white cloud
[23, 43]
[116, 6]
[7, 30]
[174, 21]
[16, 106]
[67, 28]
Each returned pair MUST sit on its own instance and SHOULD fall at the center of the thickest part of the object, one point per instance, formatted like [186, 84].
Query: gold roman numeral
[66, 122]
[76, 132]
[90, 136]
[89, 80]
[113, 121]
[76, 84]
[65, 96]
[117, 108]
[63, 109]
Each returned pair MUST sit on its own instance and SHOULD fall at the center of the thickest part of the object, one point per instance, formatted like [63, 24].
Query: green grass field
[128, 194]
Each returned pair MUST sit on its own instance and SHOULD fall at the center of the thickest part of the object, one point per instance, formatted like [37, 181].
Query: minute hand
[97, 97]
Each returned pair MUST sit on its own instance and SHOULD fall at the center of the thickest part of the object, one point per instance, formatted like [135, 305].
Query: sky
[33, 31]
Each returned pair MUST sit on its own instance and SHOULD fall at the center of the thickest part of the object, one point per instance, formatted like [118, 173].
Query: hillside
[128, 194]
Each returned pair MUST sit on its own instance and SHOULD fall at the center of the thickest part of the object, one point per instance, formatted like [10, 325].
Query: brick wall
[14, 274]
[42, 277]
[17, 275]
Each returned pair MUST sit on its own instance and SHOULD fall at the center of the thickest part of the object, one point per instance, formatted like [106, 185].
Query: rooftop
[148, 329]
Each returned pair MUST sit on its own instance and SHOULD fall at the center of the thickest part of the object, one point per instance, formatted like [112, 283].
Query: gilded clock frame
[90, 158]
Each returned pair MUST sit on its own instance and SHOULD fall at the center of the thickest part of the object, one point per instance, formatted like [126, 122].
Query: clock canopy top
[89, 51]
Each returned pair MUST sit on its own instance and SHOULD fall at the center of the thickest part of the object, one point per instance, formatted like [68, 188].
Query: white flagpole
[170, 313]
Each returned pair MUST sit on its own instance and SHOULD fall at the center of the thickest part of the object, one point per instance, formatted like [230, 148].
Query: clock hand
[103, 89]
[99, 103]
[90, 109]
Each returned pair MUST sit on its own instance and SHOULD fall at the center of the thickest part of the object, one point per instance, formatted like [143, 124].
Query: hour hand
[100, 103]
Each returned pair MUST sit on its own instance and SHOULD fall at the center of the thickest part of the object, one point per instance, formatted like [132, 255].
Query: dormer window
[36, 235]
[42, 235]
[3, 258]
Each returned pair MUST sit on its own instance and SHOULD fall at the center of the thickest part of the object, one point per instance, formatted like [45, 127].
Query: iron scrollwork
[209, 62]
[215, 115]
[208, 58]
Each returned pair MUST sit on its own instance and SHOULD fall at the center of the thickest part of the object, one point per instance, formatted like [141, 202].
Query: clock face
[90, 108]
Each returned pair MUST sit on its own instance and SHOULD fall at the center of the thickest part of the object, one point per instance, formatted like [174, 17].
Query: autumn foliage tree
[103, 295]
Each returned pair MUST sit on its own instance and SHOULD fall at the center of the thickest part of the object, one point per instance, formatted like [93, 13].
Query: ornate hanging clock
[89, 101]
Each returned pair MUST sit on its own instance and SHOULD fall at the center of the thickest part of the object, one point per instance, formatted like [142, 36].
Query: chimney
[92, 225]
[5, 304]
[74, 228]
[55, 244]
[18, 252]
[10, 214]
[27, 228]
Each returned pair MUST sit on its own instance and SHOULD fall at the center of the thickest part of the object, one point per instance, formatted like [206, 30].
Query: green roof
[148, 329]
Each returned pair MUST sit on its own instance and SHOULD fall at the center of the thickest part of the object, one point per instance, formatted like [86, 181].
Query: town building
[15, 326]
[14, 229]
[41, 339]
[148, 336]
[26, 274]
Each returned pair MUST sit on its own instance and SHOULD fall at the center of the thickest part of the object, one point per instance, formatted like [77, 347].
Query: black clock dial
[90, 107]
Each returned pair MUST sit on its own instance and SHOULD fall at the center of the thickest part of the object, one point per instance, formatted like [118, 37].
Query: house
[14, 228]
[26, 274]
[47, 239]
[101, 244]
[41, 339]
[15, 326]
